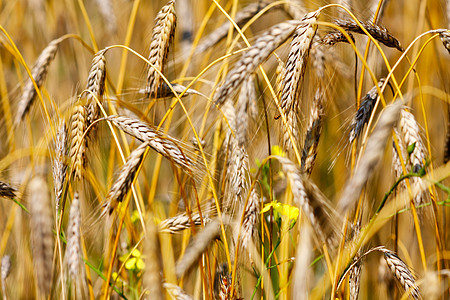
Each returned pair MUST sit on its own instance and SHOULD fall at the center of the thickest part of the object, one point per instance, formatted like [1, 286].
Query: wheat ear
[181, 222]
[125, 178]
[411, 137]
[59, 167]
[402, 273]
[7, 191]
[371, 157]
[378, 32]
[41, 233]
[95, 86]
[73, 255]
[445, 38]
[308, 197]
[39, 73]
[197, 247]
[297, 59]
[78, 143]
[364, 112]
[165, 145]
[334, 37]
[253, 57]
[162, 36]
[251, 218]
[246, 97]
[109, 18]
[313, 132]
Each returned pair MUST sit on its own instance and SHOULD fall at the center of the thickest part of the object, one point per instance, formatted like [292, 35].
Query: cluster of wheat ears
[253, 149]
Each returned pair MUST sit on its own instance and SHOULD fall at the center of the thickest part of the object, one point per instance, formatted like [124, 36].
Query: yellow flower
[291, 212]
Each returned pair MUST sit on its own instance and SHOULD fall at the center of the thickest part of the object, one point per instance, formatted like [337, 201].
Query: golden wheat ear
[162, 36]
[39, 73]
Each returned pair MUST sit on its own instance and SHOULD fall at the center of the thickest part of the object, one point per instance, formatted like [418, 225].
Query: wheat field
[224, 149]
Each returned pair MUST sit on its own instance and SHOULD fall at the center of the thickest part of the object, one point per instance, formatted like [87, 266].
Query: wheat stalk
[78, 143]
[41, 233]
[371, 157]
[73, 255]
[162, 36]
[378, 32]
[253, 57]
[163, 144]
[59, 167]
[297, 59]
[125, 178]
[364, 112]
[39, 73]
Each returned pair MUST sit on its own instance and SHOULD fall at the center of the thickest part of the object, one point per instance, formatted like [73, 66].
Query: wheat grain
[165, 145]
[39, 73]
[41, 233]
[364, 112]
[73, 255]
[253, 57]
[182, 222]
[378, 32]
[371, 157]
[162, 36]
[7, 191]
[78, 143]
[59, 167]
[402, 273]
[297, 59]
[125, 178]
